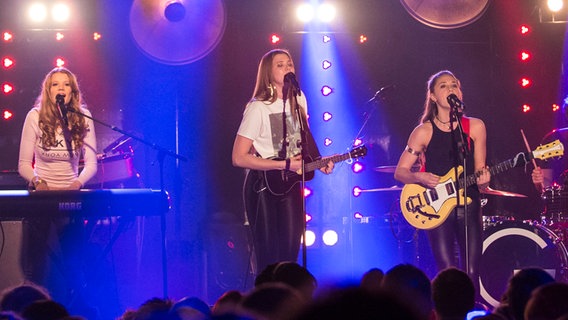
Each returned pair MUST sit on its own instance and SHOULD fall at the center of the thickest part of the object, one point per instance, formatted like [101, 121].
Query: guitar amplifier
[11, 180]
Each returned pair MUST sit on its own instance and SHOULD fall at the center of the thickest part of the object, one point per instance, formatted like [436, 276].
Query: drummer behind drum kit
[511, 245]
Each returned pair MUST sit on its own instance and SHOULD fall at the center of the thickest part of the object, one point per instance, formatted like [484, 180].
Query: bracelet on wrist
[37, 181]
[287, 167]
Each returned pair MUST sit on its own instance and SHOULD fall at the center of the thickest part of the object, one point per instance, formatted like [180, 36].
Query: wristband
[287, 164]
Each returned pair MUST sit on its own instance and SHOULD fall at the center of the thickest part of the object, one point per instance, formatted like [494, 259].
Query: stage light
[326, 38]
[327, 142]
[358, 142]
[357, 191]
[555, 5]
[37, 12]
[310, 238]
[525, 29]
[307, 192]
[526, 108]
[525, 56]
[357, 215]
[7, 63]
[60, 12]
[274, 39]
[7, 88]
[555, 107]
[308, 218]
[59, 36]
[327, 116]
[553, 12]
[330, 238]
[305, 12]
[326, 64]
[357, 167]
[7, 115]
[97, 36]
[362, 38]
[326, 12]
[525, 82]
[59, 62]
[326, 90]
[7, 36]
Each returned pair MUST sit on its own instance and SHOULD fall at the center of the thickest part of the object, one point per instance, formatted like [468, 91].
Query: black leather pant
[277, 222]
[443, 238]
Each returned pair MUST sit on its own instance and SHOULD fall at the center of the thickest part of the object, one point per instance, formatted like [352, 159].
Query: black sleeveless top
[441, 155]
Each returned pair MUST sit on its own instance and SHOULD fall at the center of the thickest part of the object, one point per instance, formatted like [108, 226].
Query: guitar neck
[498, 168]
[314, 165]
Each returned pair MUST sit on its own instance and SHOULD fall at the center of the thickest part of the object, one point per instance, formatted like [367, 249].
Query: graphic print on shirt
[292, 135]
[59, 151]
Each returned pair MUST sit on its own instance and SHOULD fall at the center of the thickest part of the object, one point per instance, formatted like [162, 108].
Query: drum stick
[529, 150]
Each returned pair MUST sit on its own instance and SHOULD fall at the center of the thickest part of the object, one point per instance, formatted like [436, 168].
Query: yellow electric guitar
[427, 208]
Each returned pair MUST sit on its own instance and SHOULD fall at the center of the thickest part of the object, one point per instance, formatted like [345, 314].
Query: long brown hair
[264, 90]
[430, 110]
[49, 116]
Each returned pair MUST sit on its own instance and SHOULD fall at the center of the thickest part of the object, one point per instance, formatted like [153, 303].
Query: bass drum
[511, 246]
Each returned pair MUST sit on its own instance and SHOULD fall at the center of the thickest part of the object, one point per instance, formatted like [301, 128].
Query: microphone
[60, 100]
[455, 102]
[379, 93]
[290, 77]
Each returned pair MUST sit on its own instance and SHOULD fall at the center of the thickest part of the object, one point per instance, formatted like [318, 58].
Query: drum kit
[510, 245]
[115, 166]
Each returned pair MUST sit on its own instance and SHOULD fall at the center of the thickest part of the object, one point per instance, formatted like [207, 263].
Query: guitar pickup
[450, 190]
[431, 195]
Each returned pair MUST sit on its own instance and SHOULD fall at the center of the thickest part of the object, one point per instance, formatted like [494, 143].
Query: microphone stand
[304, 148]
[162, 153]
[462, 152]
[378, 95]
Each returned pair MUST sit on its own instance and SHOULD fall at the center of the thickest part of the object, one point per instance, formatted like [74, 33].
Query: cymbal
[502, 193]
[392, 169]
[177, 32]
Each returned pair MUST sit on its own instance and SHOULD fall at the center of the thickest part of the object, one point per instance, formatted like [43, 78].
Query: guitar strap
[310, 145]
[465, 126]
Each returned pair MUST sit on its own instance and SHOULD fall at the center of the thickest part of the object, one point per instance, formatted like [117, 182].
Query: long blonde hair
[49, 115]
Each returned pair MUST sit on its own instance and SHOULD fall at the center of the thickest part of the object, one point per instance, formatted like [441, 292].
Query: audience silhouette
[372, 279]
[453, 294]
[286, 291]
[17, 298]
[519, 289]
[409, 283]
[548, 302]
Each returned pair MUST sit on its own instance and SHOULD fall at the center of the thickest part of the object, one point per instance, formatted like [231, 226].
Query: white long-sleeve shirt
[54, 165]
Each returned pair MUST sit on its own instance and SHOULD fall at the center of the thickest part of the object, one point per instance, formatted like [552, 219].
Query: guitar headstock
[359, 151]
[549, 150]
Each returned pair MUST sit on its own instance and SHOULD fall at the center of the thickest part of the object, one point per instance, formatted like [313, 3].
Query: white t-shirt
[55, 165]
[262, 123]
